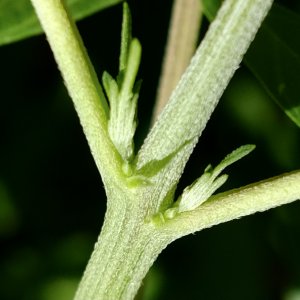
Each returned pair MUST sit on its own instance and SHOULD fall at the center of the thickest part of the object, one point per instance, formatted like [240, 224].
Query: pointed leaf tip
[198, 192]
[126, 36]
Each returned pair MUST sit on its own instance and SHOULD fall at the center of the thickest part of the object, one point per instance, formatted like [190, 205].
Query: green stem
[236, 203]
[82, 83]
[132, 237]
[129, 244]
[181, 123]
[126, 249]
[199, 90]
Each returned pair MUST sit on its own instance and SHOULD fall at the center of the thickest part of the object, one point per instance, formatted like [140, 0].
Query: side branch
[81, 81]
[191, 104]
[236, 203]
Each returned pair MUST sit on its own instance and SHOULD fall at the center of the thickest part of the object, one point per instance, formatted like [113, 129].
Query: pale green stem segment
[191, 104]
[126, 249]
[236, 203]
[82, 83]
[128, 245]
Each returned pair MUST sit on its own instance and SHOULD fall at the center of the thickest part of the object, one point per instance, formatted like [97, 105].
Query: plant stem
[179, 126]
[126, 249]
[82, 83]
[181, 44]
[236, 203]
[136, 229]
[128, 245]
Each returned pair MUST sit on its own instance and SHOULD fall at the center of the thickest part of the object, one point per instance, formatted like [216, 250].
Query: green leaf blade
[18, 20]
[210, 8]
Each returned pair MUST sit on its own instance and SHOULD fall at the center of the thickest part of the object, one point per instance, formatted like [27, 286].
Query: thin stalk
[181, 44]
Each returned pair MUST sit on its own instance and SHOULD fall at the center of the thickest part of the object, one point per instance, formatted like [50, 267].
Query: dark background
[52, 200]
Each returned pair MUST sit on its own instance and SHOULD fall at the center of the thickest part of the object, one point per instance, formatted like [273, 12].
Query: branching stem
[136, 227]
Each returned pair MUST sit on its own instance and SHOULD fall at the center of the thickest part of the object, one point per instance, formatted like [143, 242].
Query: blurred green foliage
[276, 70]
[52, 201]
[18, 19]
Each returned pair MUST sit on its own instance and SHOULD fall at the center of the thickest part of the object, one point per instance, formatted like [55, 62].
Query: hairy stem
[204, 81]
[136, 230]
[192, 102]
[236, 203]
[126, 249]
[81, 81]
[129, 245]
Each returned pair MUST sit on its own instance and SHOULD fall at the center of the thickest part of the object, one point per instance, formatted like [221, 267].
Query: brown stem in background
[181, 44]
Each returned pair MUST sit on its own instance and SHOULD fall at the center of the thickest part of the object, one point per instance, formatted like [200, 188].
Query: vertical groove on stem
[181, 45]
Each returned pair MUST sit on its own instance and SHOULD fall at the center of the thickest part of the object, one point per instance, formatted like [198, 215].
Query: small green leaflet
[123, 92]
[18, 20]
[199, 191]
[274, 56]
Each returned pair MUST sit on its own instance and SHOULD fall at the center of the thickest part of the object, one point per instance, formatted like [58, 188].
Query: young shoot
[123, 92]
[204, 187]
[199, 191]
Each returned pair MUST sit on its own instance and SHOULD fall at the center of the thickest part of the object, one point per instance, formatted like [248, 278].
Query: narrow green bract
[199, 191]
